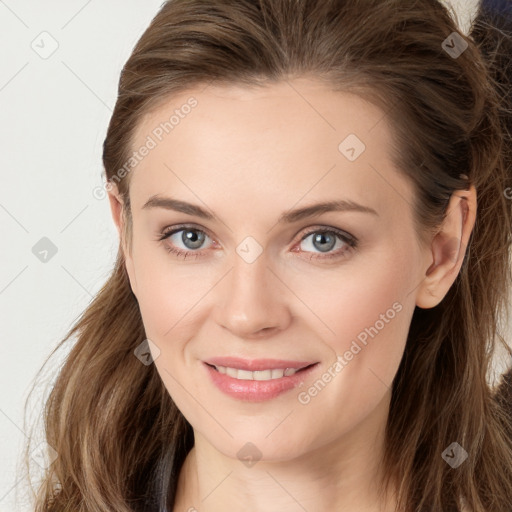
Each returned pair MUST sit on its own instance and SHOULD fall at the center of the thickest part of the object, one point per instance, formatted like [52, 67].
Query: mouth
[260, 375]
[258, 380]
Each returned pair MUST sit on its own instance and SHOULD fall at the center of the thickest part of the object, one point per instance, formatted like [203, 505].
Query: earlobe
[448, 249]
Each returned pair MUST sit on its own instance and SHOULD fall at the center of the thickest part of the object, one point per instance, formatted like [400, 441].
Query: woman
[303, 311]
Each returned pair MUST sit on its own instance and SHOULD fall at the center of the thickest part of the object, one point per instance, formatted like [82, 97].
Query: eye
[190, 237]
[323, 240]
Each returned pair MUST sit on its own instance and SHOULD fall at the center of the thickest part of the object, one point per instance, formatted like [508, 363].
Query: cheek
[361, 303]
[362, 314]
[351, 298]
[171, 295]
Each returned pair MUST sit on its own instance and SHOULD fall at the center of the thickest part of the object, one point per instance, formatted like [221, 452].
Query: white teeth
[244, 375]
[257, 375]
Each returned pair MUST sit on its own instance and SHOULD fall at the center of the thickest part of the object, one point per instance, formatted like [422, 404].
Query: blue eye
[323, 241]
[192, 238]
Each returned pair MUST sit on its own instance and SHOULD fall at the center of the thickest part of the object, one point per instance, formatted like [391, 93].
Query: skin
[248, 155]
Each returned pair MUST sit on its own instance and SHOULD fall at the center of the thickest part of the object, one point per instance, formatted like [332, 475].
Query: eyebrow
[289, 216]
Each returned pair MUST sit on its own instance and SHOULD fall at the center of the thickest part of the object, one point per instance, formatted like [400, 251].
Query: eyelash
[351, 241]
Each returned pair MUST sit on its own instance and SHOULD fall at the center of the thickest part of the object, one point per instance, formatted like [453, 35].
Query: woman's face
[263, 275]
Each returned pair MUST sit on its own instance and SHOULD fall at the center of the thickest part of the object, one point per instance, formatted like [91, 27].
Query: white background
[54, 116]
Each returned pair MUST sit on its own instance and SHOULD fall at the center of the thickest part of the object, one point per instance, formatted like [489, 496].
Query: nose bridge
[250, 299]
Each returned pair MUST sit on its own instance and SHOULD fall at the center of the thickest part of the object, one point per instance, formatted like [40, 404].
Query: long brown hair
[119, 437]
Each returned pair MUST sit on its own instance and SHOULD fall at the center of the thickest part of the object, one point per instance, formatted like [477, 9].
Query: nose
[251, 300]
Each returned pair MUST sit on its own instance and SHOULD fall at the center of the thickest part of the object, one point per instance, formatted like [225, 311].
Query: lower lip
[256, 390]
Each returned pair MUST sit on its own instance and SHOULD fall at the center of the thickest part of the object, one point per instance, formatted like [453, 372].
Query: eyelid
[312, 229]
[169, 230]
[347, 238]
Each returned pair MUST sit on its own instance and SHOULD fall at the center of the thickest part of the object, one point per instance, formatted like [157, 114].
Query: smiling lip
[257, 390]
[257, 364]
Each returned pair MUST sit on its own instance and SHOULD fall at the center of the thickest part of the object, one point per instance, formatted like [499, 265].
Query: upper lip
[257, 364]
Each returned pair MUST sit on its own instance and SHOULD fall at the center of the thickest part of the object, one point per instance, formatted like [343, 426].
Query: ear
[117, 209]
[448, 248]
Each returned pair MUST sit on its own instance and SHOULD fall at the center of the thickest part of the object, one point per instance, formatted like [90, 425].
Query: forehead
[268, 145]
